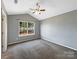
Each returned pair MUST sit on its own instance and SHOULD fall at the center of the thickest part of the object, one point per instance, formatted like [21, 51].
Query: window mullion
[27, 27]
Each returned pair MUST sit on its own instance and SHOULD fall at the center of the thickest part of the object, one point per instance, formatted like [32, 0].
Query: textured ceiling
[53, 7]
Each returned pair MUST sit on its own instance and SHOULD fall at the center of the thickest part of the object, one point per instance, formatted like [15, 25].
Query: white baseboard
[21, 41]
[16, 42]
[59, 44]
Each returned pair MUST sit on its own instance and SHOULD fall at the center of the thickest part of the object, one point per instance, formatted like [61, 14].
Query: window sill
[26, 35]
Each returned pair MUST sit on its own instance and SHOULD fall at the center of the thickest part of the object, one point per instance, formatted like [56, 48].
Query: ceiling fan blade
[42, 10]
[32, 9]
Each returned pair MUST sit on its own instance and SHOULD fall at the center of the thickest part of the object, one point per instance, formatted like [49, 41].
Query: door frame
[3, 30]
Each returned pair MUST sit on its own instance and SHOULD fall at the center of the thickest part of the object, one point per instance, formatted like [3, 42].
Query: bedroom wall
[61, 29]
[13, 28]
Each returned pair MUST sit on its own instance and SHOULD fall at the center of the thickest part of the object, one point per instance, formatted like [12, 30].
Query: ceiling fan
[37, 9]
[34, 10]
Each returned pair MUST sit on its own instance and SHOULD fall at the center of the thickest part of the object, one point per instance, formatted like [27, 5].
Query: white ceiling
[53, 7]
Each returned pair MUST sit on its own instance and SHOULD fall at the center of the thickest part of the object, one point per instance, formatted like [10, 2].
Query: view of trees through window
[26, 28]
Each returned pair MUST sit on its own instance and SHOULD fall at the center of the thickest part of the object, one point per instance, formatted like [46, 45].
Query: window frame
[27, 28]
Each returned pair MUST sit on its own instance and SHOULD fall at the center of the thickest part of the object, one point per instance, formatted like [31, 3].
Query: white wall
[61, 29]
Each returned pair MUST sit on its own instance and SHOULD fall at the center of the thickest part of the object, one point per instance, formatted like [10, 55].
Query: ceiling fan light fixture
[38, 9]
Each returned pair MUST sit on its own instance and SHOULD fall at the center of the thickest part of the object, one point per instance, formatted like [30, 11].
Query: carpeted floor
[38, 49]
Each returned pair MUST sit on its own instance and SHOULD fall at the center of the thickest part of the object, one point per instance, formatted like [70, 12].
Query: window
[26, 28]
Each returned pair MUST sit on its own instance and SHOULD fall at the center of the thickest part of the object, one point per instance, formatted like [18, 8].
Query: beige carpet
[38, 49]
